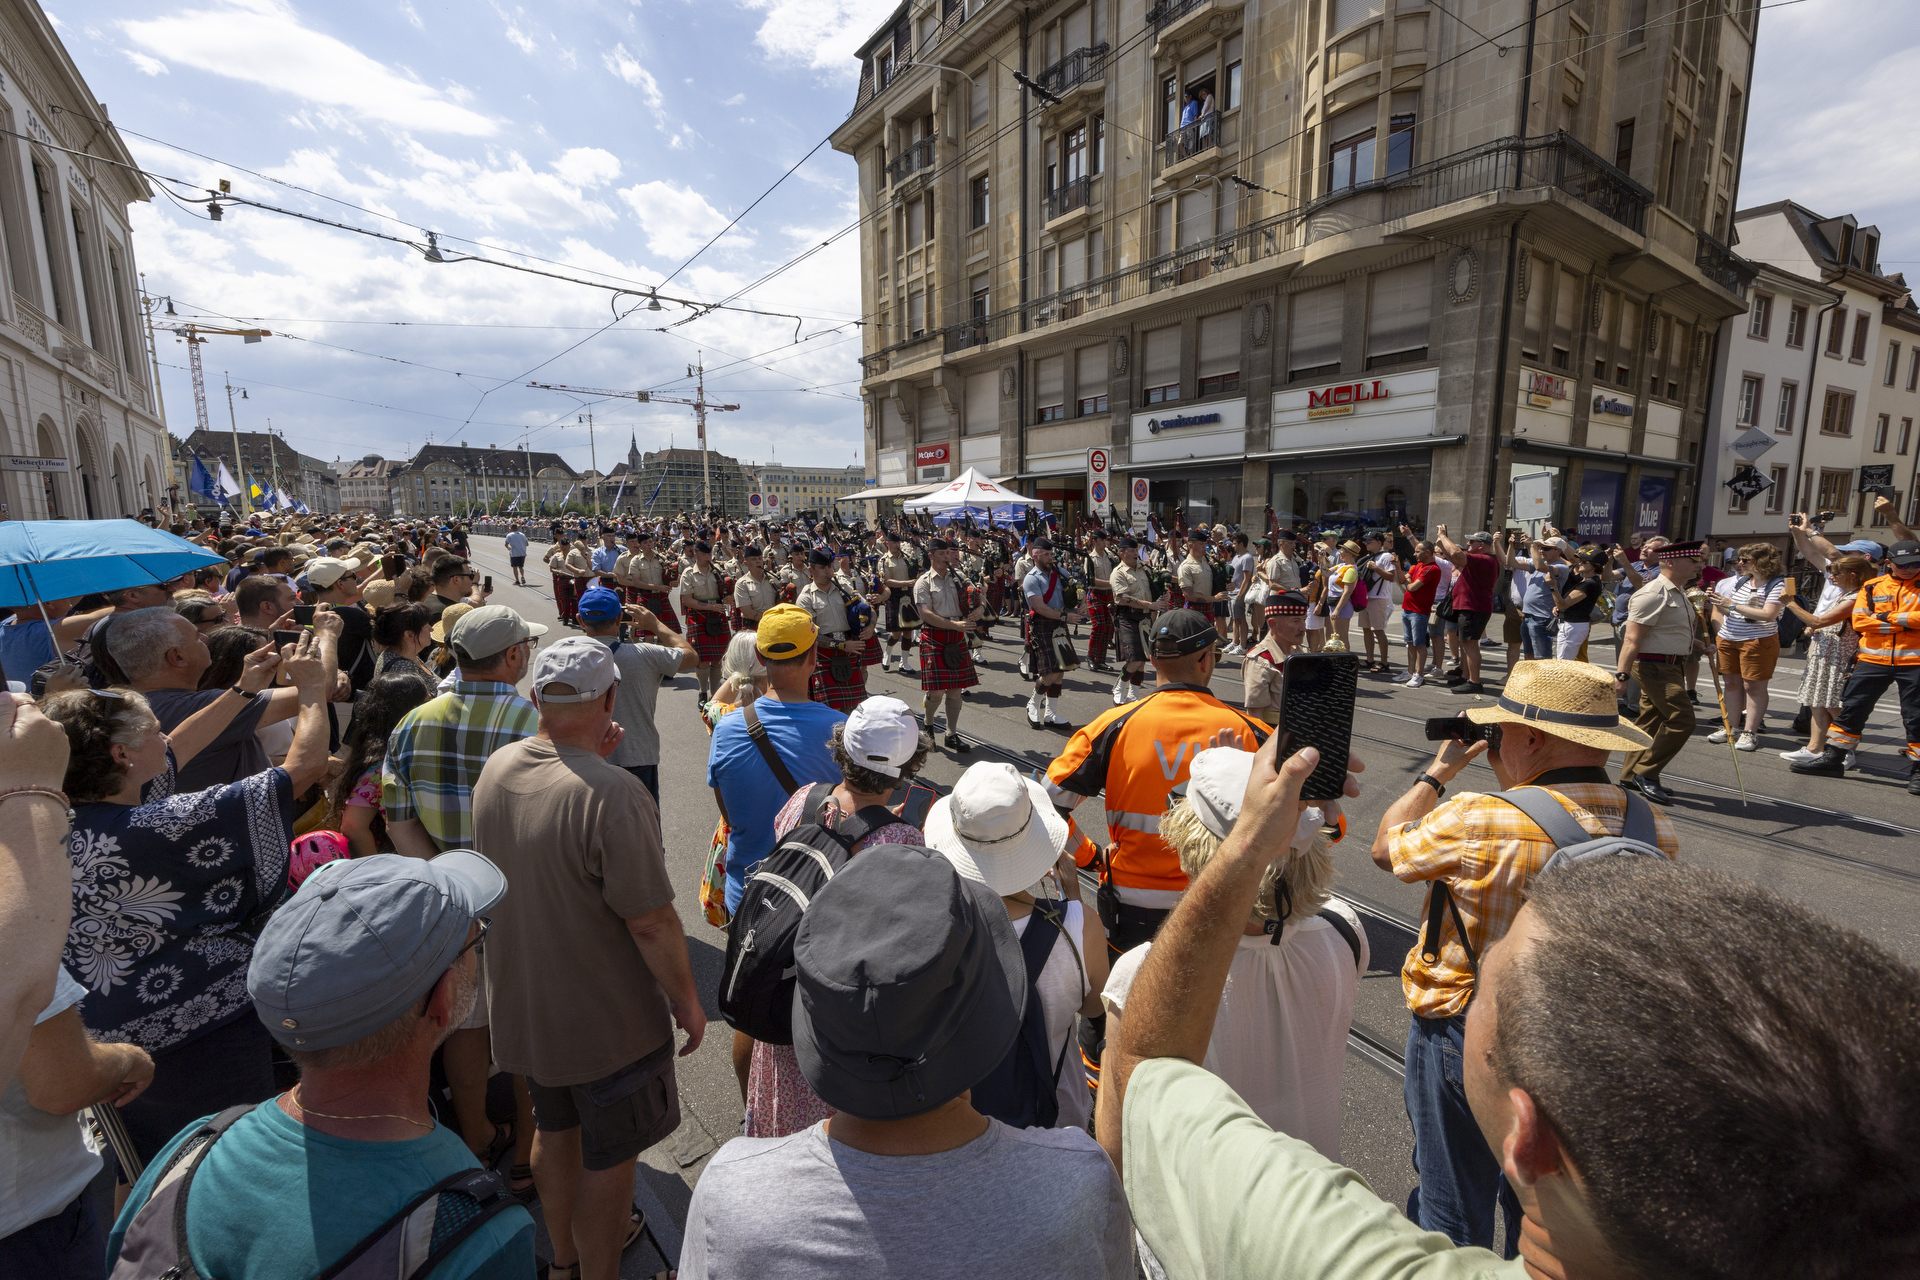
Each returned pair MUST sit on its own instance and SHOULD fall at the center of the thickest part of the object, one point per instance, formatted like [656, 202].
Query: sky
[614, 138]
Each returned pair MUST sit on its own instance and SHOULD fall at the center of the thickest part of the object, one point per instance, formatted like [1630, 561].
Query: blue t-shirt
[799, 732]
[25, 646]
[275, 1199]
[605, 558]
[516, 543]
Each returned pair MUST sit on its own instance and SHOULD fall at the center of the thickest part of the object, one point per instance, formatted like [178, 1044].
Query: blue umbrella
[53, 559]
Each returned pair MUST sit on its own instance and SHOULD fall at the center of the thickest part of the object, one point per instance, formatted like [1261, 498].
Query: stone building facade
[1309, 254]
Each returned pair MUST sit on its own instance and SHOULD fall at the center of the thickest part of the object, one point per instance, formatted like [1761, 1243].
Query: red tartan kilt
[840, 696]
[1100, 608]
[935, 672]
[709, 635]
[871, 655]
[566, 596]
[656, 603]
[736, 623]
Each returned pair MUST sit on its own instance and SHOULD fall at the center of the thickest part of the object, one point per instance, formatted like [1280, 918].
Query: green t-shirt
[1215, 1192]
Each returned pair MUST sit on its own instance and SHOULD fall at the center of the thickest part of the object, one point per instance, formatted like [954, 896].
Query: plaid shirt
[436, 752]
[1488, 852]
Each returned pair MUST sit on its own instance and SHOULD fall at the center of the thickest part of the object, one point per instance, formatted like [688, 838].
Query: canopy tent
[968, 489]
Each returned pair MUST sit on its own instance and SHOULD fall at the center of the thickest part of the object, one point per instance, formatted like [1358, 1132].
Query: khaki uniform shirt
[754, 596]
[648, 572]
[1284, 572]
[1262, 679]
[828, 607]
[1196, 580]
[940, 593]
[696, 585]
[897, 567]
[1102, 569]
[1131, 583]
[1664, 609]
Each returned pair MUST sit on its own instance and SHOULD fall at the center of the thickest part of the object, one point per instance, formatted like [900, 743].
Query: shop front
[1597, 490]
[1193, 461]
[1355, 455]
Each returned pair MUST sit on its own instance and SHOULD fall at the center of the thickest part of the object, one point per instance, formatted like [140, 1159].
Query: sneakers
[1746, 742]
[1233, 650]
[1053, 717]
[1470, 688]
[1456, 676]
[1405, 677]
[1717, 737]
[1800, 756]
[1416, 680]
[1853, 760]
[1830, 763]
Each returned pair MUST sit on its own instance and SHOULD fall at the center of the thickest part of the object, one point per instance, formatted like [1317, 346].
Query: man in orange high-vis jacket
[1887, 615]
[1137, 755]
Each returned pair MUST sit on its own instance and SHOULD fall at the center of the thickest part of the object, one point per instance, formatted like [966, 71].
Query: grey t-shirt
[49, 1159]
[642, 668]
[234, 755]
[1013, 1202]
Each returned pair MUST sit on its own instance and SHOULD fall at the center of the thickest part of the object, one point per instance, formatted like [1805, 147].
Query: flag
[284, 502]
[300, 508]
[622, 489]
[515, 504]
[200, 484]
[656, 488]
[228, 485]
[568, 494]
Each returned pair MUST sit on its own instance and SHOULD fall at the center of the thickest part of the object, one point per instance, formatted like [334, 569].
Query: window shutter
[1196, 216]
[933, 416]
[1161, 365]
[1077, 25]
[1220, 344]
[1398, 313]
[983, 403]
[1352, 122]
[1314, 337]
[1050, 381]
[1090, 372]
[893, 429]
[1073, 264]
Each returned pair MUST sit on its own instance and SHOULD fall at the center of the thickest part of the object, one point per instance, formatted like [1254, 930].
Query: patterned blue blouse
[165, 895]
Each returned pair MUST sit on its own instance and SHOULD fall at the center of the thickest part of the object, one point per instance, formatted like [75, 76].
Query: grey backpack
[407, 1246]
[1573, 843]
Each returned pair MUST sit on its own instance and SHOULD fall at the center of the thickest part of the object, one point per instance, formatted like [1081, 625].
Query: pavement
[1849, 848]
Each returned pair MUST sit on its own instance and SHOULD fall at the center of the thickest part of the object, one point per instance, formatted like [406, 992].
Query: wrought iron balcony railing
[1190, 140]
[1068, 196]
[911, 160]
[1073, 70]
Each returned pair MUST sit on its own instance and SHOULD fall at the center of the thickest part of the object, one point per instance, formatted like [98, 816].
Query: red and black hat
[1680, 550]
[1288, 604]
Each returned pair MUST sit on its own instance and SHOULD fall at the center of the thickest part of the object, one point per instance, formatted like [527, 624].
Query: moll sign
[1332, 402]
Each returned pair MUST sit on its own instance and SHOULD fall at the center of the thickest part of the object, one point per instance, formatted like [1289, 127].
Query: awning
[1371, 446]
[908, 490]
[1581, 451]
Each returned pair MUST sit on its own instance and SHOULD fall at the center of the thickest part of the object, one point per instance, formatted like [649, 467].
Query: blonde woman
[1747, 608]
[1833, 646]
[1280, 1037]
[743, 677]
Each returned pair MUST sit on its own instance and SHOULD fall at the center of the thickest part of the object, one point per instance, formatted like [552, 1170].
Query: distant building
[445, 480]
[265, 459]
[786, 490]
[365, 486]
[672, 481]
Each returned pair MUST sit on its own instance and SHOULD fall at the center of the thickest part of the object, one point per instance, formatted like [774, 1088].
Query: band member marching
[1099, 575]
[753, 592]
[706, 610]
[864, 599]
[570, 568]
[897, 575]
[1133, 601]
[1047, 611]
[840, 679]
[1286, 626]
[650, 578]
[946, 658]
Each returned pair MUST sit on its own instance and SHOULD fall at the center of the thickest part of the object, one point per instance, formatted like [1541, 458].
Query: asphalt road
[1848, 848]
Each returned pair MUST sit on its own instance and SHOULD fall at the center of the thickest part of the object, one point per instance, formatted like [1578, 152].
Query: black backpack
[407, 1246]
[758, 982]
[1021, 1090]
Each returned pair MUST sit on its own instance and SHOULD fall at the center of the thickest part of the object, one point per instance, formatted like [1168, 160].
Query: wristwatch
[234, 688]
[1430, 780]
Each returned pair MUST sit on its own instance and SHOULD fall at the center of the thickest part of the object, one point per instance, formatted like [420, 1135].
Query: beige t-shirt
[897, 568]
[1196, 580]
[1662, 606]
[939, 594]
[754, 596]
[647, 571]
[1130, 583]
[1284, 572]
[1101, 569]
[569, 996]
[828, 607]
[701, 585]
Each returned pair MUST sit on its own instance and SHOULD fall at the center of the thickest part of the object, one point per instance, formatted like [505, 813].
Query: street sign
[1097, 482]
[1878, 473]
[1751, 443]
[1137, 509]
[1749, 484]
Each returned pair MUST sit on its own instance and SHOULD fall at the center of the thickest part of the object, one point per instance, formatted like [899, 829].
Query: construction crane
[701, 407]
[190, 334]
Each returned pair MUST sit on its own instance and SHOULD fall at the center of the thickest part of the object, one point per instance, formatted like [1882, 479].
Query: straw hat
[1571, 700]
[454, 612]
[379, 593]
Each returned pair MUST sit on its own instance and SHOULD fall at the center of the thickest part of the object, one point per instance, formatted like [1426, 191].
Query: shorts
[1749, 659]
[1379, 609]
[1237, 609]
[1471, 623]
[1413, 627]
[619, 1115]
[516, 562]
[1513, 632]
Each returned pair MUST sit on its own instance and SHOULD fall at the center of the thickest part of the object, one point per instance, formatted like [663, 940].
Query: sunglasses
[485, 923]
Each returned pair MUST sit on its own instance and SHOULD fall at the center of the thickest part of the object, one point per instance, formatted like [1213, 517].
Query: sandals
[529, 1192]
[636, 1227]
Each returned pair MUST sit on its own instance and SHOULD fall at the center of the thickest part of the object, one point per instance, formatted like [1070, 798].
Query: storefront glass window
[1383, 494]
[1197, 501]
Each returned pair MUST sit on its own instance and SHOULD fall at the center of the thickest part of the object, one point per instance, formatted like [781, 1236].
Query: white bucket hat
[997, 828]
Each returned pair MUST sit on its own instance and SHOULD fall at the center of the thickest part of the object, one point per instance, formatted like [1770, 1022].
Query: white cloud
[264, 42]
[734, 101]
[677, 219]
[151, 66]
[587, 166]
[413, 16]
[520, 38]
[628, 68]
[819, 34]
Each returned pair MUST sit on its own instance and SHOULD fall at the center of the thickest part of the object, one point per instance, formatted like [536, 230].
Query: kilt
[709, 635]
[1126, 635]
[1100, 614]
[566, 596]
[894, 596]
[1040, 659]
[656, 603]
[841, 696]
[734, 621]
[935, 673]
[871, 655]
[1222, 608]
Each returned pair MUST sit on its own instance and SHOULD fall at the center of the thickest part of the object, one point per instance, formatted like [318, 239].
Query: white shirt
[1280, 1037]
[1755, 593]
[1384, 564]
[1063, 988]
[48, 1159]
[516, 543]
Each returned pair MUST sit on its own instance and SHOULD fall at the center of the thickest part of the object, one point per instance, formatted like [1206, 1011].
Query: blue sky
[617, 136]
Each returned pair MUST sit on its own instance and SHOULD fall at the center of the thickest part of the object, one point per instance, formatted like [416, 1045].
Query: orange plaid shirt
[1488, 852]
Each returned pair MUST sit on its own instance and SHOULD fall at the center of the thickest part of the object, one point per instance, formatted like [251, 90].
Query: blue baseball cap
[598, 604]
[362, 940]
[1866, 546]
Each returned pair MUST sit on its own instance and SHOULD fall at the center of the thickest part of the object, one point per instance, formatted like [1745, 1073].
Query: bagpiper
[897, 575]
[1098, 572]
[753, 592]
[701, 597]
[1045, 590]
[946, 658]
[1134, 601]
[651, 579]
[840, 678]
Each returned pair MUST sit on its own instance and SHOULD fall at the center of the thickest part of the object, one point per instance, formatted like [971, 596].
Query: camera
[1443, 728]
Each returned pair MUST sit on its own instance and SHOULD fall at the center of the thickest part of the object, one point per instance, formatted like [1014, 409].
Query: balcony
[1068, 197]
[1191, 140]
[1172, 18]
[1081, 67]
[1723, 266]
[911, 160]
[1555, 160]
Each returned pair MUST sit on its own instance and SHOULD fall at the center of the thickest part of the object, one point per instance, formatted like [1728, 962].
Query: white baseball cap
[881, 735]
[1217, 786]
[579, 661]
[326, 571]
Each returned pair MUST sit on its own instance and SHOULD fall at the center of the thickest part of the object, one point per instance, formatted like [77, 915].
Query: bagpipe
[1222, 575]
[973, 596]
[859, 618]
[670, 573]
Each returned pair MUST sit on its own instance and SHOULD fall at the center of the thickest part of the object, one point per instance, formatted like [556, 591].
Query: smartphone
[1461, 729]
[486, 584]
[283, 638]
[1317, 692]
[303, 614]
[920, 798]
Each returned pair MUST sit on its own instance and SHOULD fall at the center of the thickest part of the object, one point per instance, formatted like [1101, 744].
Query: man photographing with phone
[1553, 727]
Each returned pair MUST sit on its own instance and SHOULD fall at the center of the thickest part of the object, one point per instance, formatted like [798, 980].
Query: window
[978, 99]
[1398, 308]
[1313, 339]
[1636, 23]
[977, 297]
[1220, 353]
[1749, 401]
[1074, 148]
[1097, 161]
[1893, 364]
[1836, 416]
[1231, 98]
[916, 313]
[1090, 379]
[978, 192]
[1737, 503]
[1676, 171]
[1837, 335]
[1623, 146]
[1913, 370]
[1835, 486]
[1732, 135]
[1169, 105]
[129, 344]
[1776, 496]
[1906, 436]
[1760, 318]
[1050, 389]
[89, 295]
[916, 224]
[1400, 141]
[1160, 368]
[1783, 419]
[43, 194]
[1860, 321]
[1350, 148]
[1196, 217]
[1797, 327]
[1880, 428]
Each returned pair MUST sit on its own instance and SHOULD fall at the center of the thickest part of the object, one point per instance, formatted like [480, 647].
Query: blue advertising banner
[1650, 517]
[1600, 493]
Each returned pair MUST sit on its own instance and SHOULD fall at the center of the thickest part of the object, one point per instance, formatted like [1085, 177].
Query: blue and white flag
[300, 508]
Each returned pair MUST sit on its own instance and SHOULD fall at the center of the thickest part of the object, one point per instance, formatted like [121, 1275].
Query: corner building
[1312, 254]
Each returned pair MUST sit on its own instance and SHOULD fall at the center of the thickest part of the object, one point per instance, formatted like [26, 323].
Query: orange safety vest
[1137, 755]
[1896, 641]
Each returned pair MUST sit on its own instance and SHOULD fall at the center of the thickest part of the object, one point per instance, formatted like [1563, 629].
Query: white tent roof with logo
[969, 489]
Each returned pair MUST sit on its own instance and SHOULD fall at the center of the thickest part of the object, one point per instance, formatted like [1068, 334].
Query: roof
[1823, 238]
[488, 461]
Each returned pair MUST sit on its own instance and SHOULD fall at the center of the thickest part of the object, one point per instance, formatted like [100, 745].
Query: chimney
[463, 444]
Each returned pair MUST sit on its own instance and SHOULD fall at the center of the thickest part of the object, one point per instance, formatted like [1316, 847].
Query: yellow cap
[785, 631]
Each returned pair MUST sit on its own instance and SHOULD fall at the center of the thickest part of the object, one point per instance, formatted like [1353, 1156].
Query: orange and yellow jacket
[1137, 754]
[1894, 641]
